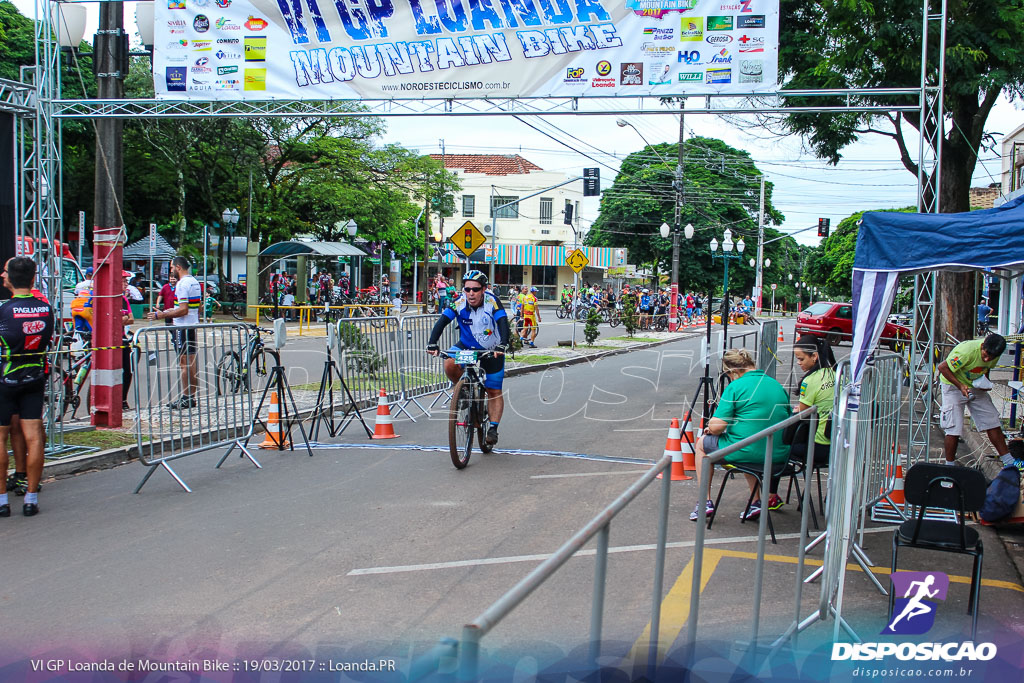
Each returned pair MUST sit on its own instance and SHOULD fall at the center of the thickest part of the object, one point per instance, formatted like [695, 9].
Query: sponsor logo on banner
[691, 77]
[177, 44]
[751, 44]
[228, 41]
[575, 75]
[202, 61]
[200, 3]
[719, 40]
[659, 8]
[175, 4]
[255, 23]
[201, 70]
[201, 23]
[602, 82]
[719, 23]
[742, 6]
[176, 26]
[202, 45]
[255, 49]
[225, 24]
[227, 83]
[660, 33]
[176, 59]
[721, 57]
[631, 73]
[652, 50]
[223, 4]
[689, 56]
[176, 78]
[753, 21]
[719, 76]
[255, 79]
[604, 68]
[692, 29]
[751, 71]
[225, 70]
[221, 55]
[659, 73]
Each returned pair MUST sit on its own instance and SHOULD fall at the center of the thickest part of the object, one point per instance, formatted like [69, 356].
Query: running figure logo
[914, 613]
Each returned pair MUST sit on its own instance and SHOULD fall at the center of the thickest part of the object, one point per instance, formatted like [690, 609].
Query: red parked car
[834, 321]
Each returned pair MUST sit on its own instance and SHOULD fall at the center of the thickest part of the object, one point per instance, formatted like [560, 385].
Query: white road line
[400, 569]
[585, 474]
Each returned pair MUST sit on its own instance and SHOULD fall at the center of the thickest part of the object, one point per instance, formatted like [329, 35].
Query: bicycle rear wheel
[483, 422]
[238, 310]
[460, 423]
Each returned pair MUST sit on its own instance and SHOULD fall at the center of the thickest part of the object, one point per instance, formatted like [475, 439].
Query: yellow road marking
[675, 608]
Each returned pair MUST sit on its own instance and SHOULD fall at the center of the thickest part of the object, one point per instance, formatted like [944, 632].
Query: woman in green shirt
[817, 388]
[753, 401]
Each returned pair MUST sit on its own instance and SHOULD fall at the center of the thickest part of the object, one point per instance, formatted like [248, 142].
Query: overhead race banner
[441, 49]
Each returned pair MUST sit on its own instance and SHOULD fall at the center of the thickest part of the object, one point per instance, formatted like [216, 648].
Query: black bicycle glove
[433, 347]
[501, 348]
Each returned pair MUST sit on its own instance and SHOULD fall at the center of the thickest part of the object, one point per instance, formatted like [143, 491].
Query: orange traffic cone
[897, 492]
[689, 452]
[781, 338]
[673, 447]
[274, 438]
[382, 428]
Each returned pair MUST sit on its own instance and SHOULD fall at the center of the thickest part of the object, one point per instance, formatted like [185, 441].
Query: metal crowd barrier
[169, 426]
[306, 313]
[423, 374]
[369, 356]
[768, 347]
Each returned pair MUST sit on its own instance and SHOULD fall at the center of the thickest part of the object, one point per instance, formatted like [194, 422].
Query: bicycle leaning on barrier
[234, 369]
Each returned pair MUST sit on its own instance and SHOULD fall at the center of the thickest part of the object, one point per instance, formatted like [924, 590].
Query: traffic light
[591, 182]
[823, 224]
[568, 214]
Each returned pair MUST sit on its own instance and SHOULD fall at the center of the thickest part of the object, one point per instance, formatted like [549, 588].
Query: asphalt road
[375, 550]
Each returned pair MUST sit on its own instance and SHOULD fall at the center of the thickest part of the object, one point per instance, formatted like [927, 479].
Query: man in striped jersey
[188, 296]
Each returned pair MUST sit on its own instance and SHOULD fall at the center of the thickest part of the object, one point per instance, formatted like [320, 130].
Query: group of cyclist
[647, 303]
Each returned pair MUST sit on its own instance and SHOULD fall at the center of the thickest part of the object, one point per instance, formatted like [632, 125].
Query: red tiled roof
[488, 164]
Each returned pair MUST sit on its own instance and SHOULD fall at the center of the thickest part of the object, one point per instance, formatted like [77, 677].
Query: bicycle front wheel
[229, 374]
[460, 423]
[238, 310]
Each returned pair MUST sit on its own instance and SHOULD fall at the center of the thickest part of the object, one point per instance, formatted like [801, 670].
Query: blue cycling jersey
[478, 328]
[645, 301]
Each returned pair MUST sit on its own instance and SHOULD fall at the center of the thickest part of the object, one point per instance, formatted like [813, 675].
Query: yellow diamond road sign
[577, 260]
[467, 238]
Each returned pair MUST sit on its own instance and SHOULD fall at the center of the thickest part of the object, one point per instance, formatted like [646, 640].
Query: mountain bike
[234, 370]
[468, 413]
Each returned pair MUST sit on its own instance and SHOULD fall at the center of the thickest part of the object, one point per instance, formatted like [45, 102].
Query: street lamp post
[230, 220]
[726, 255]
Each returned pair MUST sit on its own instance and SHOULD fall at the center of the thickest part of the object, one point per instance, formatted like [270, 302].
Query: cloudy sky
[870, 175]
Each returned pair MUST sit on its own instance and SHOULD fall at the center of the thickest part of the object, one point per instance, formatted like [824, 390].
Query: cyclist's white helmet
[475, 275]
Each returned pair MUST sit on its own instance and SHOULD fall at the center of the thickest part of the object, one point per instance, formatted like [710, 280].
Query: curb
[91, 462]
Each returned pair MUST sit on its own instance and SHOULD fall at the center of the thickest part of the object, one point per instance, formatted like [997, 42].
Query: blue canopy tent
[892, 244]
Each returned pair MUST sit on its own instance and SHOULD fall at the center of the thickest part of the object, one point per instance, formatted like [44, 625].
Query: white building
[1008, 308]
[531, 238]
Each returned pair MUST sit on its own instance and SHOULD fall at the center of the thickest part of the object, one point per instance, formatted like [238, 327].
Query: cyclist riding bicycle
[483, 325]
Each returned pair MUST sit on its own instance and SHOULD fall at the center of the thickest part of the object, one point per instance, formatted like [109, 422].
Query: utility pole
[111, 55]
[673, 311]
[759, 279]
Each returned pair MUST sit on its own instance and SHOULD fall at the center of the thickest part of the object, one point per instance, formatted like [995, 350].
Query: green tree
[590, 331]
[877, 44]
[721, 190]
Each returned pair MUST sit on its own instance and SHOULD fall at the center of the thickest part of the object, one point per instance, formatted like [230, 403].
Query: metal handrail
[469, 647]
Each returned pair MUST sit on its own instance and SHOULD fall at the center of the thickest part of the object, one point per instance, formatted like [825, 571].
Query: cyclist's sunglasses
[472, 289]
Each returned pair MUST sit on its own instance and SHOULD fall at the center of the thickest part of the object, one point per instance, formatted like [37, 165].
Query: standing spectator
[26, 336]
[165, 299]
[531, 318]
[689, 306]
[698, 303]
[984, 311]
[130, 290]
[288, 300]
[964, 367]
[450, 290]
[185, 315]
[126, 351]
[86, 284]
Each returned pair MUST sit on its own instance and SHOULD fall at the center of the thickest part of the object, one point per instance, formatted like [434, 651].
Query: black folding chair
[756, 471]
[953, 488]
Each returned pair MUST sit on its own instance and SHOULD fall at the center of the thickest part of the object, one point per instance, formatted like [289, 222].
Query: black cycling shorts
[647, 309]
[25, 400]
[185, 341]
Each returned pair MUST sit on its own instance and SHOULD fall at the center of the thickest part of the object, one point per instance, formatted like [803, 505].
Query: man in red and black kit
[26, 328]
